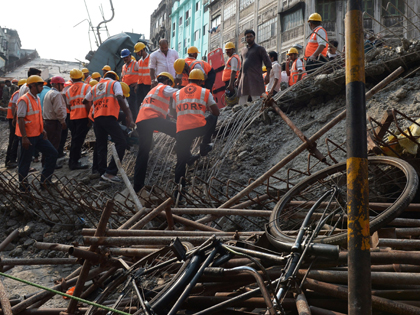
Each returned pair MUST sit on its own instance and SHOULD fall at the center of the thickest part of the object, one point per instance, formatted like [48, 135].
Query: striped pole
[359, 277]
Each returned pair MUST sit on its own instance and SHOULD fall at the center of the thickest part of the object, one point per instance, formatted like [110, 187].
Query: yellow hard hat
[230, 45]
[192, 50]
[85, 70]
[92, 83]
[139, 47]
[107, 68]
[22, 82]
[168, 75]
[264, 68]
[315, 17]
[179, 65]
[34, 79]
[76, 74]
[196, 74]
[96, 75]
[126, 89]
[292, 50]
[133, 58]
[113, 72]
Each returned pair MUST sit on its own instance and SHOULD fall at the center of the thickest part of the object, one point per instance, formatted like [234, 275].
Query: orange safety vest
[144, 72]
[9, 106]
[154, 105]
[228, 69]
[34, 125]
[191, 63]
[294, 73]
[104, 99]
[191, 104]
[75, 95]
[312, 45]
[129, 75]
[87, 80]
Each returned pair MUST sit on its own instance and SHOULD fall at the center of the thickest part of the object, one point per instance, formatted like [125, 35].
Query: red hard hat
[57, 80]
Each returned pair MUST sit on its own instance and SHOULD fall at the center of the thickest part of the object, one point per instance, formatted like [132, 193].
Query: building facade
[160, 23]
[190, 27]
[13, 45]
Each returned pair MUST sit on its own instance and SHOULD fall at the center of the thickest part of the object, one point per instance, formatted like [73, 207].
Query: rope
[64, 294]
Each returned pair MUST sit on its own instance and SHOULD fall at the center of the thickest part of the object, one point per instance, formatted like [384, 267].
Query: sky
[48, 25]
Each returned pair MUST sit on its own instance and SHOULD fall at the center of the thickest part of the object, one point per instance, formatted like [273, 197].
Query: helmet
[57, 79]
[315, 17]
[133, 58]
[264, 68]
[22, 82]
[192, 50]
[125, 53]
[230, 45]
[233, 99]
[107, 68]
[85, 70]
[15, 81]
[92, 83]
[179, 65]
[139, 47]
[126, 89]
[168, 75]
[95, 75]
[196, 74]
[114, 73]
[34, 79]
[76, 74]
[292, 50]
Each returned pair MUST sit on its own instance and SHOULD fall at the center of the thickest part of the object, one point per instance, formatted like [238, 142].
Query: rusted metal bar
[37, 261]
[388, 257]
[384, 82]
[399, 244]
[97, 283]
[200, 302]
[4, 301]
[302, 304]
[190, 223]
[407, 232]
[398, 294]
[321, 311]
[132, 252]
[376, 206]
[8, 239]
[126, 241]
[152, 214]
[396, 268]
[113, 233]
[61, 311]
[169, 218]
[94, 258]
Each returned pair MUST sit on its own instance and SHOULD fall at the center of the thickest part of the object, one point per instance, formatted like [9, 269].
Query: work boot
[78, 166]
[206, 148]
[11, 164]
[192, 159]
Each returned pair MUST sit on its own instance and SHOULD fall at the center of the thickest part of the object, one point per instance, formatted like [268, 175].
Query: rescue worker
[86, 75]
[130, 75]
[144, 81]
[93, 82]
[296, 73]
[79, 120]
[183, 69]
[65, 132]
[210, 74]
[232, 67]
[107, 98]
[264, 75]
[191, 103]
[31, 133]
[317, 47]
[105, 69]
[14, 87]
[12, 147]
[151, 117]
[96, 76]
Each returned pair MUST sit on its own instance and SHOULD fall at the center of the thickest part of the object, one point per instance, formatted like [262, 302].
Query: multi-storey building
[3, 48]
[190, 27]
[13, 45]
[160, 23]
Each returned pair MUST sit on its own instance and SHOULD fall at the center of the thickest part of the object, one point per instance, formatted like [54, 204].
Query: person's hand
[154, 83]
[313, 58]
[44, 133]
[231, 88]
[63, 126]
[89, 124]
[130, 123]
[14, 122]
[266, 79]
[236, 82]
[25, 143]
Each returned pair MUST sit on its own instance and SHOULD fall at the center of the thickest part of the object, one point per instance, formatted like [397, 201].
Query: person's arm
[126, 110]
[240, 73]
[212, 106]
[267, 77]
[267, 63]
[210, 79]
[152, 68]
[317, 52]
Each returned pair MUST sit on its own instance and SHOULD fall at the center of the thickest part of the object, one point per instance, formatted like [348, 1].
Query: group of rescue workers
[143, 99]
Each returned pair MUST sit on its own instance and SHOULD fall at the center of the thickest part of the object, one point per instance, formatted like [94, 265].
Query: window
[164, 16]
[367, 6]
[187, 14]
[206, 8]
[180, 20]
[157, 23]
[267, 30]
[391, 10]
[229, 10]
[197, 6]
[185, 50]
[179, 46]
[205, 29]
[292, 20]
[327, 9]
[185, 42]
[197, 35]
[216, 22]
[244, 4]
[173, 29]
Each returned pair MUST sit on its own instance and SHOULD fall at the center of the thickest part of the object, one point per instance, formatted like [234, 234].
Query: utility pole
[359, 276]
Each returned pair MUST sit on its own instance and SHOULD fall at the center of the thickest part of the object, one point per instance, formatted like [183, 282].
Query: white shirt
[22, 108]
[15, 98]
[117, 90]
[169, 91]
[23, 90]
[284, 77]
[299, 64]
[234, 64]
[161, 63]
[320, 35]
[275, 74]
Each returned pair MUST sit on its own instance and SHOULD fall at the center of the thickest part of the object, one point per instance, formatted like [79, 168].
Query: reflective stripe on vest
[312, 44]
[228, 68]
[87, 80]
[34, 125]
[75, 95]
[129, 75]
[191, 104]
[9, 106]
[155, 104]
[294, 73]
[144, 72]
[104, 99]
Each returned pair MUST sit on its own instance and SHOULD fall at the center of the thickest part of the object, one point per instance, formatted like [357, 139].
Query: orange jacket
[9, 106]
[87, 80]
[312, 45]
[228, 69]
[128, 74]
[104, 99]
[34, 125]
[191, 63]
[294, 73]
[154, 105]
[75, 95]
[144, 72]
[191, 104]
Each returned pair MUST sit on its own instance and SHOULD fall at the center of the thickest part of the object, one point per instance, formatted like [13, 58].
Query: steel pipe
[9, 239]
[302, 304]
[114, 233]
[37, 261]
[127, 241]
[152, 214]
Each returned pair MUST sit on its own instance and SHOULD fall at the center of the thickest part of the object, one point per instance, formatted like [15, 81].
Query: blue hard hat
[125, 53]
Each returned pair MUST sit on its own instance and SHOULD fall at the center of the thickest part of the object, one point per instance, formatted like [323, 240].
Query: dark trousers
[142, 91]
[132, 102]
[185, 138]
[53, 129]
[47, 149]
[64, 134]
[311, 65]
[79, 130]
[12, 147]
[145, 130]
[104, 126]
